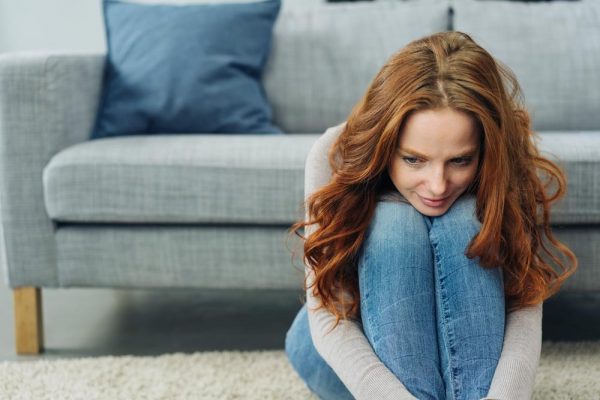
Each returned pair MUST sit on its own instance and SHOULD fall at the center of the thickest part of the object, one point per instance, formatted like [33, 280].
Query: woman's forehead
[439, 129]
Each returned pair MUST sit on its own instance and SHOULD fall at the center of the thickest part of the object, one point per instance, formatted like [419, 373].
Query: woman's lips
[433, 203]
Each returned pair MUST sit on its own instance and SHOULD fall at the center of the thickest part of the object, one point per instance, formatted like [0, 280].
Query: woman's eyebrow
[465, 153]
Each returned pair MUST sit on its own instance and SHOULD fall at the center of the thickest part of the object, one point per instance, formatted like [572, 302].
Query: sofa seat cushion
[578, 154]
[183, 256]
[253, 179]
[246, 178]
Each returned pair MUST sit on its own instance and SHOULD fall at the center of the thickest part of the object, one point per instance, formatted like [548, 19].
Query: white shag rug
[566, 371]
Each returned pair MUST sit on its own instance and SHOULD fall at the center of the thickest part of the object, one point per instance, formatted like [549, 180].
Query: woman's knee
[396, 222]
[457, 225]
[463, 209]
[396, 251]
[451, 234]
[397, 237]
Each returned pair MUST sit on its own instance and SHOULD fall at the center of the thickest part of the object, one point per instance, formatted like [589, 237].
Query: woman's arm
[350, 355]
[346, 348]
[514, 378]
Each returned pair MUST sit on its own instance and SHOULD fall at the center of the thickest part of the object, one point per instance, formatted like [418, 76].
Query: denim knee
[458, 225]
[463, 210]
[451, 233]
[395, 218]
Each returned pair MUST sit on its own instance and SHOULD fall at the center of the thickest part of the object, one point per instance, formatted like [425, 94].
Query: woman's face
[437, 159]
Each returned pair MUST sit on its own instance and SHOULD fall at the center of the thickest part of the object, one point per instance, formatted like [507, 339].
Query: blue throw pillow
[193, 68]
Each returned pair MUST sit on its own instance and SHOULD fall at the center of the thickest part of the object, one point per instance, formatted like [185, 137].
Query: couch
[213, 210]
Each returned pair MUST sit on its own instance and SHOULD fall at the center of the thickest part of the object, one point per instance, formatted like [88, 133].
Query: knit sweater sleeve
[514, 378]
[348, 352]
[346, 348]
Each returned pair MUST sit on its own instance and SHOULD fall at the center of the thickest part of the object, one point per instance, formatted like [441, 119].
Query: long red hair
[446, 69]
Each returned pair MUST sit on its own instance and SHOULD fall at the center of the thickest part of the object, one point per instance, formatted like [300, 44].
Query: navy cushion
[193, 68]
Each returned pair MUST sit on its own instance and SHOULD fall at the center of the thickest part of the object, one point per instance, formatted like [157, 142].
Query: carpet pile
[566, 371]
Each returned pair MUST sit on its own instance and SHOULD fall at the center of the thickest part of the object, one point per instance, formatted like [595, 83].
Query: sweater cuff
[381, 384]
[518, 381]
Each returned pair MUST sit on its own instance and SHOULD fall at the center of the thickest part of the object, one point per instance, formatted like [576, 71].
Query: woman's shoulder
[331, 134]
[319, 151]
[336, 129]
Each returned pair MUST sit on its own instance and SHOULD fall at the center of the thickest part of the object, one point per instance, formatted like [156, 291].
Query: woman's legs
[308, 363]
[419, 319]
[433, 316]
[397, 291]
[469, 305]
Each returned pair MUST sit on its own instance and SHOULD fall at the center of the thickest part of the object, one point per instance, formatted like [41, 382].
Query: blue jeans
[433, 316]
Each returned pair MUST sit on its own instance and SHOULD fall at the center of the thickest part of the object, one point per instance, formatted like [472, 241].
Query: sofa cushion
[241, 179]
[246, 178]
[185, 68]
[216, 257]
[324, 57]
[554, 50]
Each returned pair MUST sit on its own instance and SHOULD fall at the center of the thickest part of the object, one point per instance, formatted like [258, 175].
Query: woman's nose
[438, 185]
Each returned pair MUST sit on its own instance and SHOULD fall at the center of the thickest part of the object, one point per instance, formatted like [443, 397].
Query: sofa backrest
[552, 47]
[324, 56]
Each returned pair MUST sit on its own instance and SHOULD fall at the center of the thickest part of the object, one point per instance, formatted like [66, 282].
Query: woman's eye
[462, 161]
[410, 160]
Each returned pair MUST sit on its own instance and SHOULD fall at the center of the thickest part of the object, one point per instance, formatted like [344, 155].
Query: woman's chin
[431, 212]
[430, 209]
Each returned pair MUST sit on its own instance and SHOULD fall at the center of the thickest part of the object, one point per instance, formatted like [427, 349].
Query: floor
[82, 322]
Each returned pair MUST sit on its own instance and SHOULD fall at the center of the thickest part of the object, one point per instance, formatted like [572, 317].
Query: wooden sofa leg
[29, 328]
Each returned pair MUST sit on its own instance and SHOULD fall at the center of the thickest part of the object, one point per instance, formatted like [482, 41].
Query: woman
[426, 215]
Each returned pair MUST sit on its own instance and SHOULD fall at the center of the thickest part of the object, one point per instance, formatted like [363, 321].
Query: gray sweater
[348, 352]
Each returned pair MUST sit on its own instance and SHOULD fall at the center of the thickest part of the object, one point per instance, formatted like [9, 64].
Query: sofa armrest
[48, 101]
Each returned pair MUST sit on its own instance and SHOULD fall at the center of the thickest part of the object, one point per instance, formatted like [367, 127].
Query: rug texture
[566, 371]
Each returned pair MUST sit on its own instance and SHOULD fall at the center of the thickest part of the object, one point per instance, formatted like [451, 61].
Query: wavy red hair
[446, 69]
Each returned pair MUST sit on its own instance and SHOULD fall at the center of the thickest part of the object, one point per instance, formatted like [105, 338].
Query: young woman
[428, 245]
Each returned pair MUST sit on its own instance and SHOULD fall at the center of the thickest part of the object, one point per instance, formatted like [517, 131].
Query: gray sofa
[213, 211]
